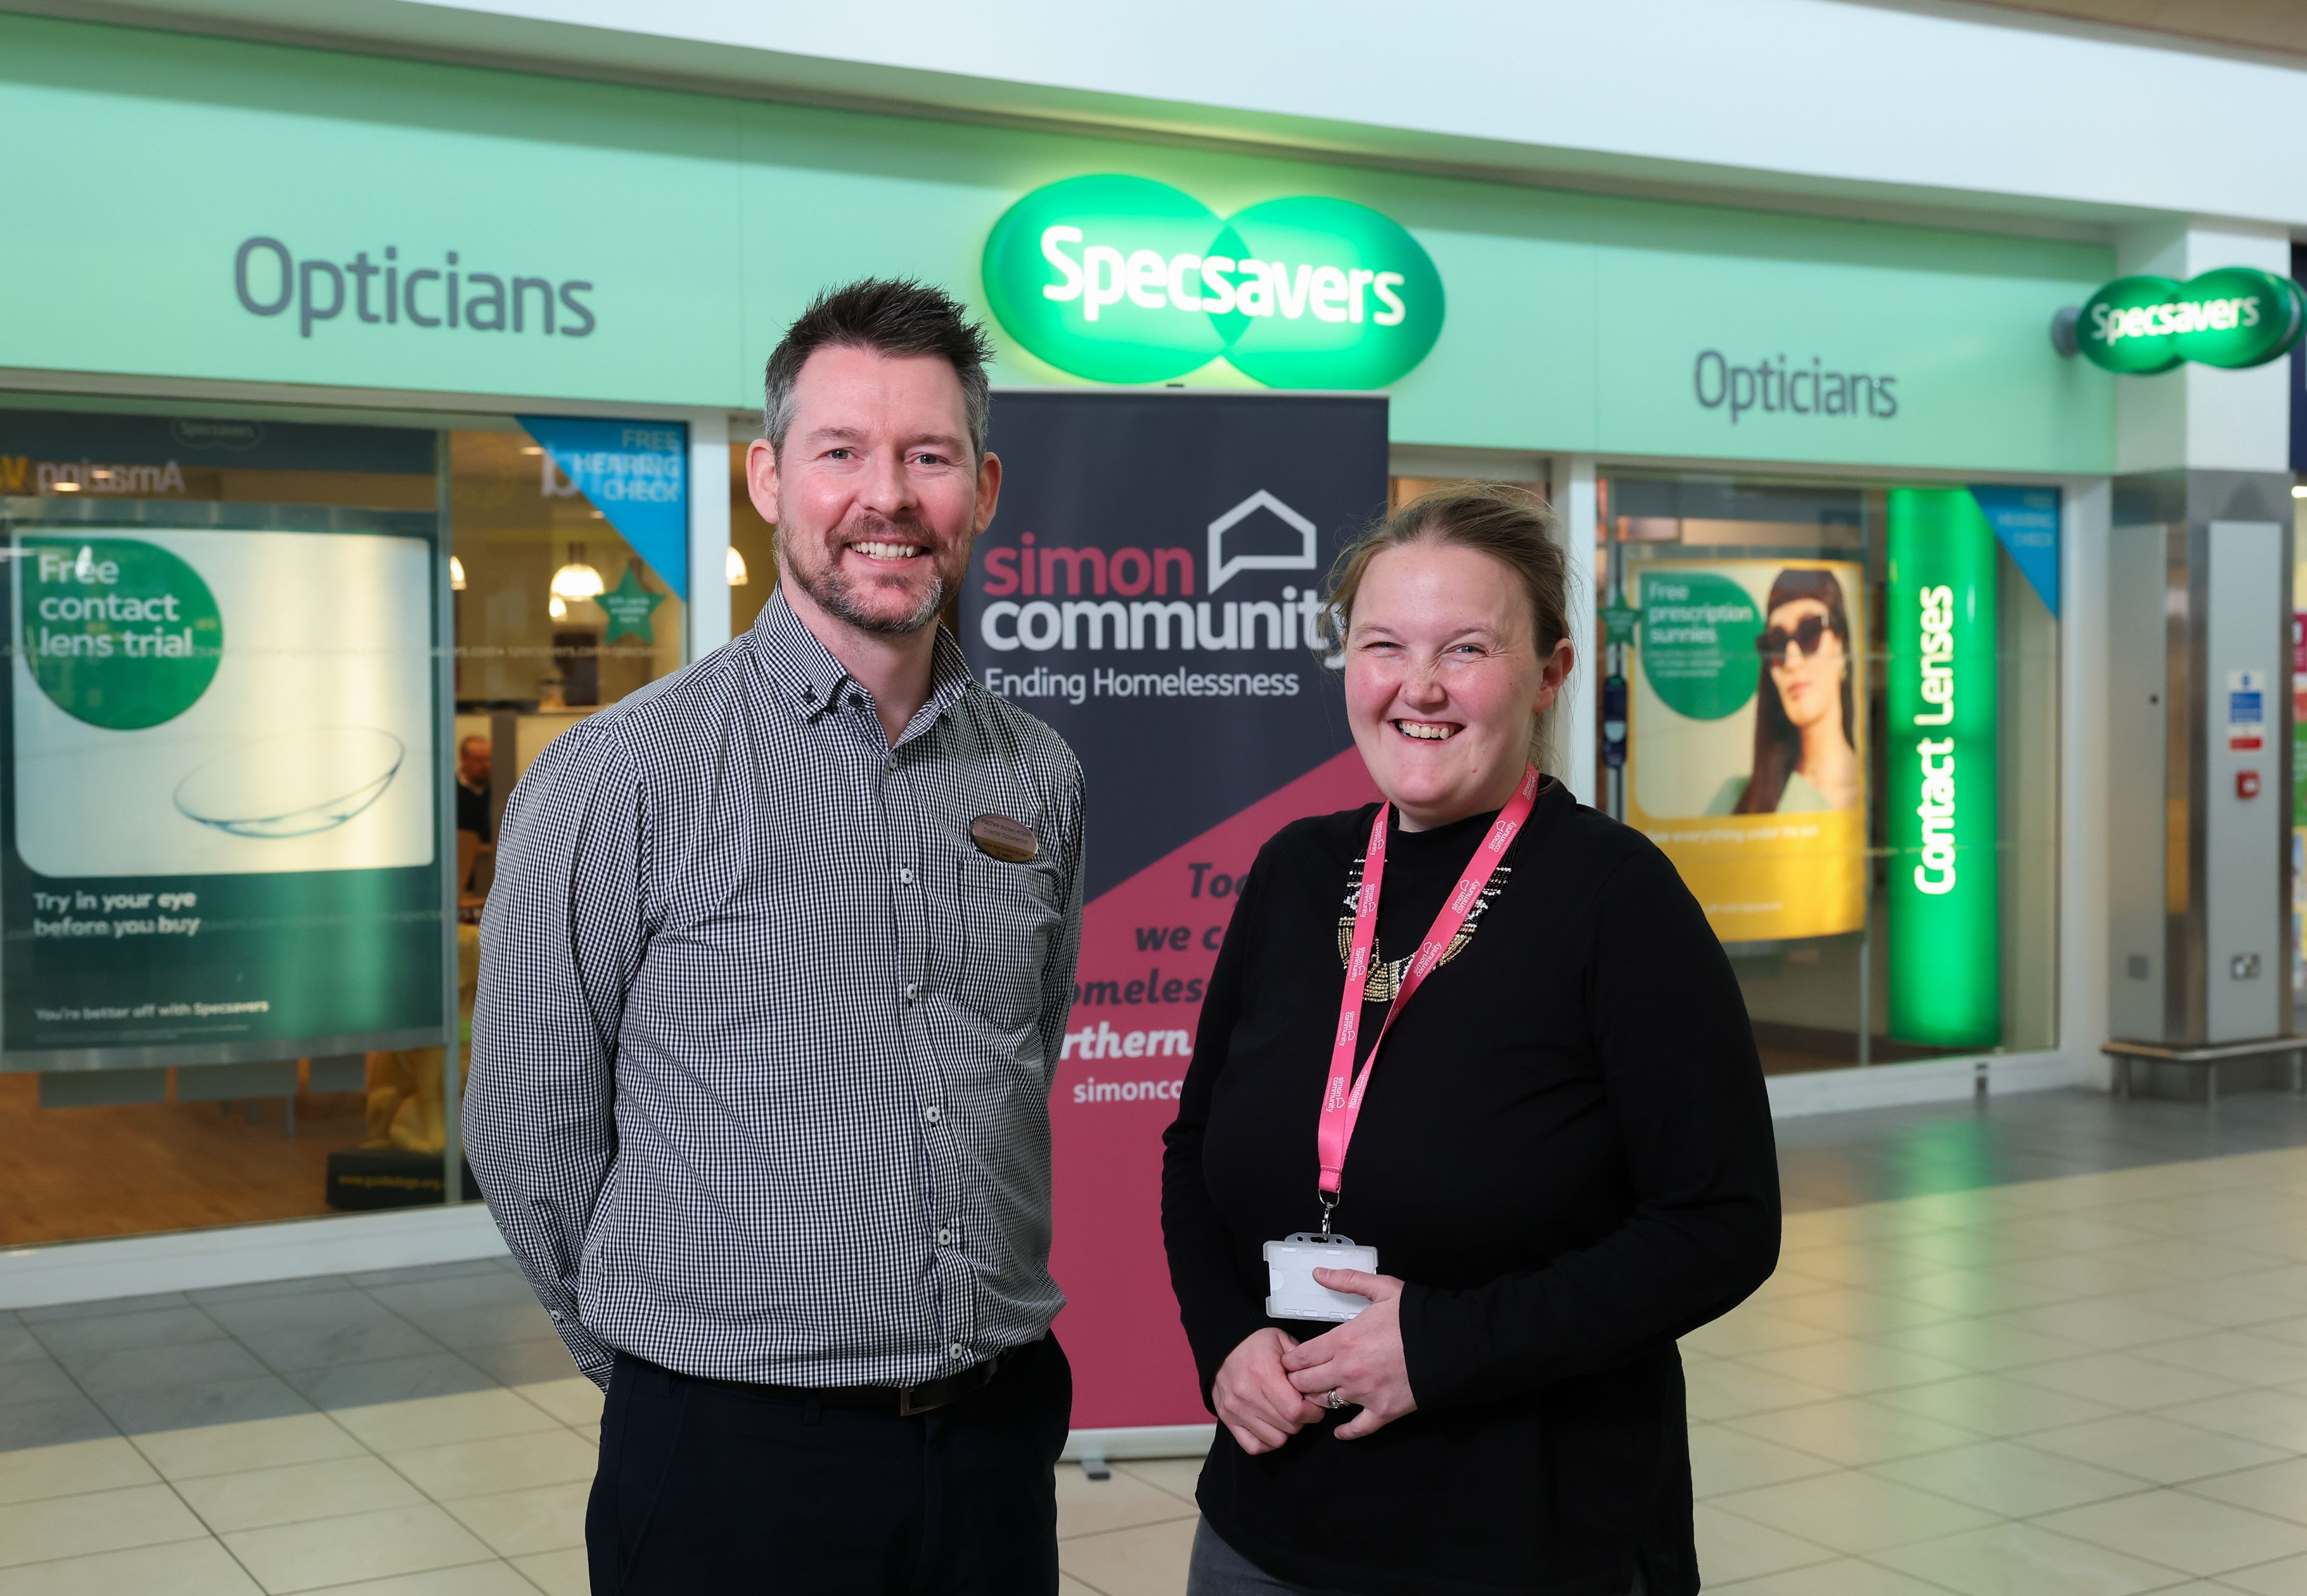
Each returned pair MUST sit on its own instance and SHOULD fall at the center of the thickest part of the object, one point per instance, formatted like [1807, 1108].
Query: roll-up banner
[220, 790]
[1151, 590]
[1746, 753]
[1941, 601]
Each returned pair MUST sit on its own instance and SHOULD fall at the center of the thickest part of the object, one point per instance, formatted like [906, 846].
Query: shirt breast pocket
[1009, 916]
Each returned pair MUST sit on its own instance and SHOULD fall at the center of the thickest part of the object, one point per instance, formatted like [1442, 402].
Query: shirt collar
[804, 673]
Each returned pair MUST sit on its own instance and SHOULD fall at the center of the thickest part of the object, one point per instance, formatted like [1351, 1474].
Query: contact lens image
[294, 784]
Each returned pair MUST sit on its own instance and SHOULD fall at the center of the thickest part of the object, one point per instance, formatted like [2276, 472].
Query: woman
[1805, 735]
[1562, 1152]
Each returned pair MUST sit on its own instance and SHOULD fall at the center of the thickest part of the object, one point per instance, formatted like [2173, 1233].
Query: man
[773, 980]
[473, 787]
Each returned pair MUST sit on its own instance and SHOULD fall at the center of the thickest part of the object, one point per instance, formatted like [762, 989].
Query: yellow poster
[1746, 741]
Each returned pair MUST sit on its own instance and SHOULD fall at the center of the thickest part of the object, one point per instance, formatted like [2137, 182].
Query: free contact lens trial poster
[218, 797]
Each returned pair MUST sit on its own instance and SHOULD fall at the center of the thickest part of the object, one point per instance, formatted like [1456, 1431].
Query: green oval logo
[118, 633]
[2235, 317]
[1698, 636]
[1124, 279]
[1102, 277]
[1352, 301]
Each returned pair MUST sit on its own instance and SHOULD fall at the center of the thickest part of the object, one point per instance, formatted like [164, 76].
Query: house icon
[1222, 569]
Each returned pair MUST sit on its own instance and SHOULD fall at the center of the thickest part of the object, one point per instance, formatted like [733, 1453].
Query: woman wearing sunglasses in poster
[1526, 1181]
[1805, 731]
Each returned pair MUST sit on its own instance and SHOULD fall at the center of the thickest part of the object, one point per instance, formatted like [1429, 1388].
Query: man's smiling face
[877, 494]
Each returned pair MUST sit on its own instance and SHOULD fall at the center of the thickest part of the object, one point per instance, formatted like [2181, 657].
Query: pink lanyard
[1341, 1099]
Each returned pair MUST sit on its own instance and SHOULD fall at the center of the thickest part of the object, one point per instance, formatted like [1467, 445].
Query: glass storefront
[2299, 764]
[752, 564]
[1836, 708]
[273, 678]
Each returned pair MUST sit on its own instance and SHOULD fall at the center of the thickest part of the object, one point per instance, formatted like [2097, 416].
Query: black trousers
[703, 1488]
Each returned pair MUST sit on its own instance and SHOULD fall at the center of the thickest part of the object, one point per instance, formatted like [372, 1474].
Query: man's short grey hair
[889, 316]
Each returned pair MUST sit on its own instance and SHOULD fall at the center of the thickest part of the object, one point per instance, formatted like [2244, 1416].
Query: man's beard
[839, 597]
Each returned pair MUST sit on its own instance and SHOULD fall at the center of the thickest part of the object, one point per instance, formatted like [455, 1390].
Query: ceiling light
[735, 566]
[531, 449]
[456, 574]
[2298, 493]
[557, 607]
[577, 580]
[67, 487]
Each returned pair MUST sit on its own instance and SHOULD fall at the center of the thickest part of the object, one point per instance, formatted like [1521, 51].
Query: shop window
[752, 547]
[2298, 758]
[1836, 708]
[224, 993]
[246, 834]
[571, 540]
[560, 610]
[1401, 490]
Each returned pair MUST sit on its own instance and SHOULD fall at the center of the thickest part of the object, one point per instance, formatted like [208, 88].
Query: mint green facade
[687, 229]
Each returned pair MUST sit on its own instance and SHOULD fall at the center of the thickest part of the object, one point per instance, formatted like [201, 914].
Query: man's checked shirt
[763, 1042]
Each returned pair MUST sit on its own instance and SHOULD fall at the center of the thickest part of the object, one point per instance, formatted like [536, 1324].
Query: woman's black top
[1565, 1153]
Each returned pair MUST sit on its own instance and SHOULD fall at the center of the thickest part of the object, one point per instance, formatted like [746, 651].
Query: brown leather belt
[905, 1400]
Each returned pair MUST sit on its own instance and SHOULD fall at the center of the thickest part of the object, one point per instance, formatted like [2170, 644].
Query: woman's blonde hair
[1510, 524]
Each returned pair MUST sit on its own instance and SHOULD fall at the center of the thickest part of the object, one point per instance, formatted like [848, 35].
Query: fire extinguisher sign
[2246, 711]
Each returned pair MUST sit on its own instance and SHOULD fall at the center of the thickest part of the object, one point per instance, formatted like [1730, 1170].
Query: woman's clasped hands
[1272, 1385]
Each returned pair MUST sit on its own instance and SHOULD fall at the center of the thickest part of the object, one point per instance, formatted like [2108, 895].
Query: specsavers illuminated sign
[2235, 317]
[1124, 279]
[1944, 878]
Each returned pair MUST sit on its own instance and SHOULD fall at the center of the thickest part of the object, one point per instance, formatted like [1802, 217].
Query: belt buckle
[952, 1387]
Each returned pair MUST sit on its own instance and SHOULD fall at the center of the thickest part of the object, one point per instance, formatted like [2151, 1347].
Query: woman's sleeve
[1217, 1312]
[1670, 1028]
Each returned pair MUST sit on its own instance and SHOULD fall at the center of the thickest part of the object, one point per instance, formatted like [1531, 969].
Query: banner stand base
[1145, 1440]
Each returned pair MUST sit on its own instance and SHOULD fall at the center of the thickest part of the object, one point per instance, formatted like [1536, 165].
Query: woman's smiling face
[1810, 686]
[1443, 676]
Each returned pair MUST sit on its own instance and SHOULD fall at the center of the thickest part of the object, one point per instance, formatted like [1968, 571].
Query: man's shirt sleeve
[1065, 950]
[561, 939]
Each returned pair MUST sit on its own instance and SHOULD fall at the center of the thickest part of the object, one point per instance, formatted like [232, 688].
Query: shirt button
[912, 990]
[933, 1113]
[944, 1237]
[956, 1350]
[905, 876]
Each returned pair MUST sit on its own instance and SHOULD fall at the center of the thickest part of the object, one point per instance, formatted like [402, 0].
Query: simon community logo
[1050, 599]
[1124, 279]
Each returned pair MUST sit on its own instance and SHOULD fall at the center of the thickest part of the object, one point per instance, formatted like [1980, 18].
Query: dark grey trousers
[1219, 1570]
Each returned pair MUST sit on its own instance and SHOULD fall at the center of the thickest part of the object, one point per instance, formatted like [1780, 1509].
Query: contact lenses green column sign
[1944, 879]
[1124, 279]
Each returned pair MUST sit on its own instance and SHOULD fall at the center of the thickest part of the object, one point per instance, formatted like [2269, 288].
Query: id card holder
[1292, 1293]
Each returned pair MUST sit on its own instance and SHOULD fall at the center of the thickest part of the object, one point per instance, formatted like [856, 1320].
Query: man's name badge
[1293, 1293]
[997, 837]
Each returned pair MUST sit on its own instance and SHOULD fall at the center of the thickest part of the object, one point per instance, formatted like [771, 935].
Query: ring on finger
[1334, 1400]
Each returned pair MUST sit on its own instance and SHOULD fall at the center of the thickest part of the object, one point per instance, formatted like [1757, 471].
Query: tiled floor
[2054, 1348]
